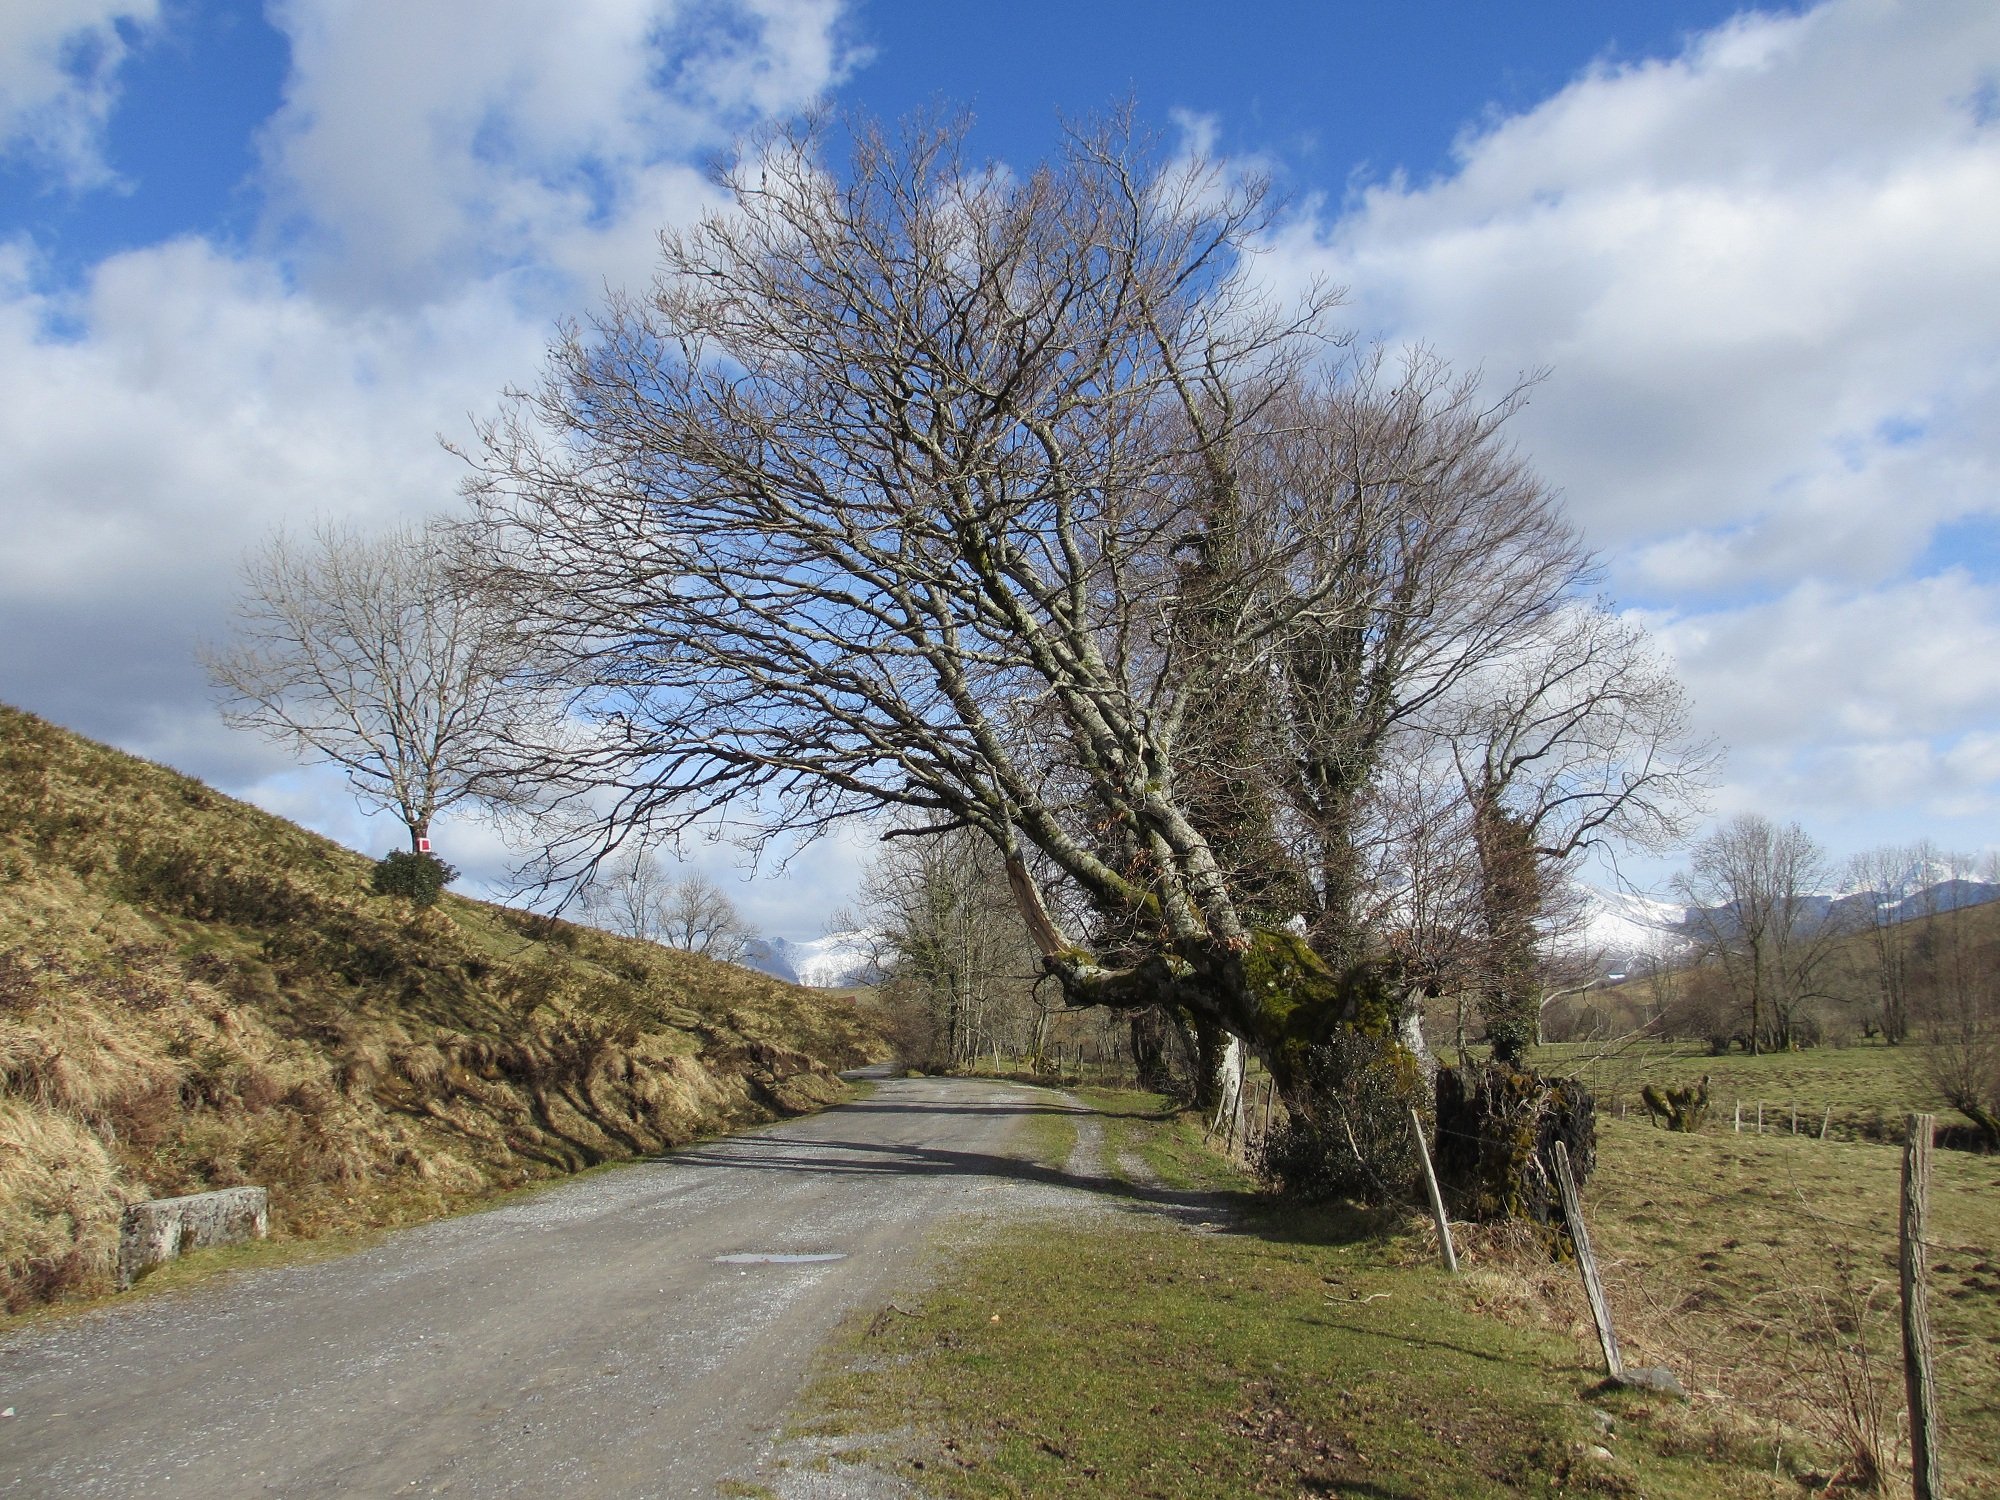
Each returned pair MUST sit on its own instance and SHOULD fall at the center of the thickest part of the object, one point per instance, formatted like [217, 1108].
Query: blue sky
[255, 260]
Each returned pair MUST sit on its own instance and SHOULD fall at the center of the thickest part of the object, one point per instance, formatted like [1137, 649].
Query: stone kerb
[160, 1229]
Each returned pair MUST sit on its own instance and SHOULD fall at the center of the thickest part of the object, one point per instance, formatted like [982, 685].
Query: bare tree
[697, 915]
[1009, 502]
[1953, 994]
[1760, 915]
[1962, 1062]
[1578, 739]
[1891, 881]
[634, 894]
[360, 649]
[626, 892]
[953, 943]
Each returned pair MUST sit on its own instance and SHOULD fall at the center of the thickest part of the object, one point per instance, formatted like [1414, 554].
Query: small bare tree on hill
[633, 893]
[361, 650]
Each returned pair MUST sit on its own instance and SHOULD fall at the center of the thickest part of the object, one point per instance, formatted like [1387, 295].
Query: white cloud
[442, 185]
[1753, 269]
[417, 144]
[1869, 715]
[1824, 666]
[59, 63]
[1762, 276]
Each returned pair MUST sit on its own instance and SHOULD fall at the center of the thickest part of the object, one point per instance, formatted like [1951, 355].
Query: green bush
[1347, 1127]
[421, 877]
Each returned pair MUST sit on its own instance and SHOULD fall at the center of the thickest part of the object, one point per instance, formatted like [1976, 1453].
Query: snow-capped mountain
[832, 962]
[1620, 930]
[1623, 928]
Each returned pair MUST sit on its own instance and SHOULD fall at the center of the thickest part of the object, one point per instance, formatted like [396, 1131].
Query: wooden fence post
[1918, 1383]
[1825, 1120]
[1579, 1237]
[1437, 1198]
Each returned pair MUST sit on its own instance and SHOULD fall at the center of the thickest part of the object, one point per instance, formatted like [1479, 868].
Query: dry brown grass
[1763, 1273]
[194, 994]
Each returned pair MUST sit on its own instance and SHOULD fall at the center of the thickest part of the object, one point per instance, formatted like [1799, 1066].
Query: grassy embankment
[1324, 1352]
[196, 994]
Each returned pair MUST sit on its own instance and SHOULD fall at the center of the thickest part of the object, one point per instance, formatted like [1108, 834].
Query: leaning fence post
[1600, 1310]
[1825, 1120]
[1918, 1383]
[1437, 1198]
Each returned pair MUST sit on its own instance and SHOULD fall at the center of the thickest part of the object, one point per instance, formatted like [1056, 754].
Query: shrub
[1347, 1131]
[420, 877]
[1681, 1109]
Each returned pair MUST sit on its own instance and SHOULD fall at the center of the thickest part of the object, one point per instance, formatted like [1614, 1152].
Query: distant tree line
[1785, 949]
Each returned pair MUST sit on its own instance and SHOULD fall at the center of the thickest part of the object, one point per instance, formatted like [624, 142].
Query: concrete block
[160, 1229]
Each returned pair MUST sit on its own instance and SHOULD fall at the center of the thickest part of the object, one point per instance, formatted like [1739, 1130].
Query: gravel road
[636, 1333]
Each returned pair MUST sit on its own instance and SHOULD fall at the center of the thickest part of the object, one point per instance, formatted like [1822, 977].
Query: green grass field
[1325, 1352]
[1764, 1270]
[1305, 1352]
[1868, 1087]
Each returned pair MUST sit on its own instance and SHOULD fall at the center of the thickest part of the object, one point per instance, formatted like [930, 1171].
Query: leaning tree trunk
[1335, 1047]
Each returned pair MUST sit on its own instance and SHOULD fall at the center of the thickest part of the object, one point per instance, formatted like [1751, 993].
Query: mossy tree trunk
[1270, 990]
[1510, 899]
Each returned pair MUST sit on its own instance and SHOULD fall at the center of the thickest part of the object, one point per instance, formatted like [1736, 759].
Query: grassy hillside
[195, 994]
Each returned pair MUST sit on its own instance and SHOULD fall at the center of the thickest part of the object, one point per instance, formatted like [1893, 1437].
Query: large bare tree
[1759, 913]
[1578, 739]
[1008, 501]
[363, 650]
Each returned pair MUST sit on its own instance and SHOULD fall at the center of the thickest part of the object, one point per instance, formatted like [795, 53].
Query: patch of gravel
[846, 1467]
[831, 1468]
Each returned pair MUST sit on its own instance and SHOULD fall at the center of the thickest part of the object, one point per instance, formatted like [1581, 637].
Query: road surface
[635, 1333]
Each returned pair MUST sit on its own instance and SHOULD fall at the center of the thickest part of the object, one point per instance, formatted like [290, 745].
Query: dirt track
[591, 1340]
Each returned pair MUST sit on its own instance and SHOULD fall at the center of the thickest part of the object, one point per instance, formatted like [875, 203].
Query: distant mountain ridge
[840, 960]
[1624, 929]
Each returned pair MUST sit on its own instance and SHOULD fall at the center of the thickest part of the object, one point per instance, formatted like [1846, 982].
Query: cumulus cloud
[199, 402]
[1819, 664]
[1759, 275]
[437, 189]
[59, 63]
[414, 147]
